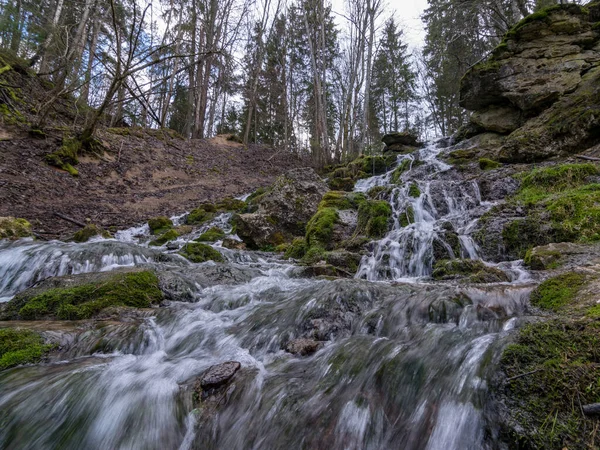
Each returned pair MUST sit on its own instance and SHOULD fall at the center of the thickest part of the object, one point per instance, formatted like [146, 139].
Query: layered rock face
[541, 86]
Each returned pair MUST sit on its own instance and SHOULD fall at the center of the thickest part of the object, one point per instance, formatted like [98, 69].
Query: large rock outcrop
[283, 211]
[541, 85]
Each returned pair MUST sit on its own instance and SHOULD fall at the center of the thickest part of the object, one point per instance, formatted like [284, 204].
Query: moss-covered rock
[542, 258]
[319, 229]
[342, 200]
[167, 236]
[212, 235]
[341, 184]
[414, 191]
[488, 164]
[199, 215]
[84, 296]
[373, 218]
[90, 231]
[297, 249]
[14, 228]
[473, 270]
[557, 292]
[198, 253]
[160, 225]
[550, 371]
[21, 347]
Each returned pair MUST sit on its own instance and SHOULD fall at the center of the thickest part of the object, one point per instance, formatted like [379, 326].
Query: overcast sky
[407, 13]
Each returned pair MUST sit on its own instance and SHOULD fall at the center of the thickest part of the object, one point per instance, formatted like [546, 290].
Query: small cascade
[434, 213]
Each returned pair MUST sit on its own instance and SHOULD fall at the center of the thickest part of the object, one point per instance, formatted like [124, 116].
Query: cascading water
[402, 365]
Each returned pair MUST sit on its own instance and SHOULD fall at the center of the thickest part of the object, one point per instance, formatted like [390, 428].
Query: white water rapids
[405, 362]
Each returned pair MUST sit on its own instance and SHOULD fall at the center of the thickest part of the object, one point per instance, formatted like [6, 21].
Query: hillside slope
[144, 173]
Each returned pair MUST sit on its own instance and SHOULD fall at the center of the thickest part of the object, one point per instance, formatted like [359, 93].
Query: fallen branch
[593, 409]
[524, 374]
[587, 158]
[69, 219]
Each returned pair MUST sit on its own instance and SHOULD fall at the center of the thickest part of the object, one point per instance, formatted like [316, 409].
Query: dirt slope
[143, 174]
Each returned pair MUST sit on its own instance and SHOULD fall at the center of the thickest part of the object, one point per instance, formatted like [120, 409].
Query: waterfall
[403, 362]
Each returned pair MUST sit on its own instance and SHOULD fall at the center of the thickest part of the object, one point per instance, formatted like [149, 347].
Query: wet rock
[302, 346]
[405, 139]
[233, 244]
[282, 211]
[219, 374]
[564, 256]
[12, 228]
[473, 271]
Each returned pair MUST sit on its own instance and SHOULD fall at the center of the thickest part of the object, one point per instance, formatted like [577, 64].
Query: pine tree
[394, 82]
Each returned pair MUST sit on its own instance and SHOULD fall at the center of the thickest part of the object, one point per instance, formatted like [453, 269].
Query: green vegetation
[199, 253]
[414, 191]
[160, 225]
[134, 289]
[342, 200]
[21, 347]
[475, 270]
[488, 164]
[90, 231]
[66, 156]
[319, 229]
[538, 259]
[557, 292]
[297, 249]
[207, 211]
[212, 235]
[373, 218]
[461, 156]
[14, 228]
[199, 216]
[314, 255]
[398, 171]
[407, 217]
[168, 236]
[551, 370]
[557, 199]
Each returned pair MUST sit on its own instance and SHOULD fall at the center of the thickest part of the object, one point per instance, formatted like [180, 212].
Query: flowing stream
[405, 362]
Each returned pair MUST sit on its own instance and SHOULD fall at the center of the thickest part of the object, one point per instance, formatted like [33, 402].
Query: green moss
[319, 230]
[538, 259]
[168, 236]
[540, 182]
[199, 216]
[414, 190]
[230, 204]
[551, 370]
[375, 191]
[459, 156]
[314, 255]
[593, 312]
[475, 270]
[341, 184]
[13, 228]
[488, 164]
[198, 253]
[297, 249]
[21, 347]
[373, 218]
[134, 289]
[398, 171]
[557, 292]
[90, 231]
[160, 225]
[342, 200]
[212, 235]
[407, 217]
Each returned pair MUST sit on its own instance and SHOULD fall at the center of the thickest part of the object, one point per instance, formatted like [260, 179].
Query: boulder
[219, 374]
[302, 346]
[283, 211]
[404, 138]
[12, 228]
[498, 119]
[541, 85]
